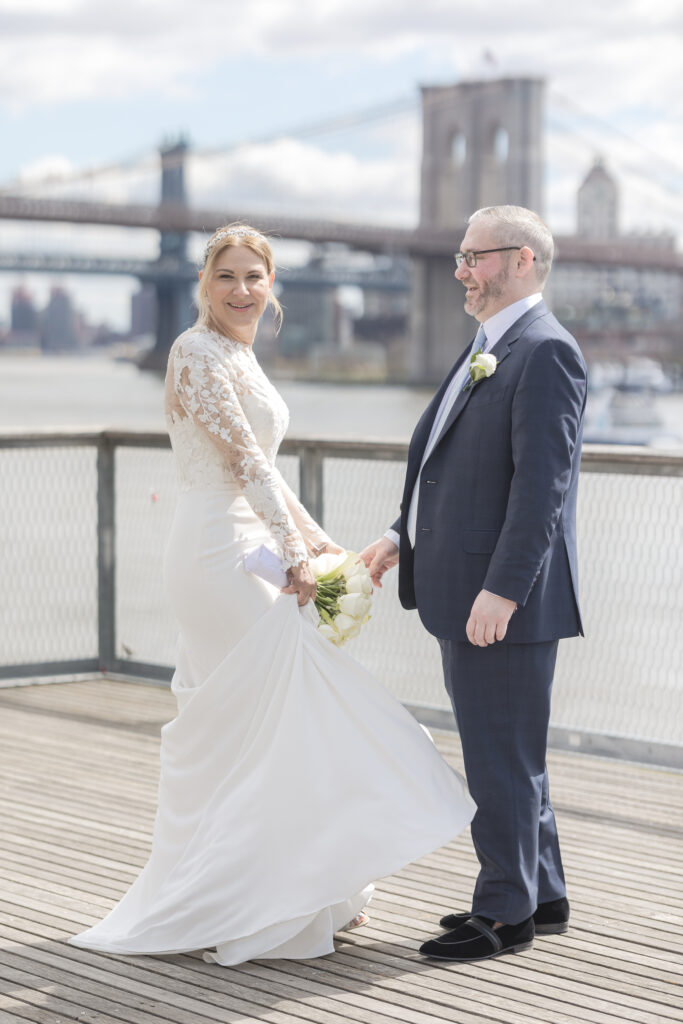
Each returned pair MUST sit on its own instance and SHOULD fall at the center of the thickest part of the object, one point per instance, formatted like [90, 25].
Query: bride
[290, 779]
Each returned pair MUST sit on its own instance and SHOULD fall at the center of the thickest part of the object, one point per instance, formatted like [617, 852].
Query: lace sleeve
[314, 536]
[207, 394]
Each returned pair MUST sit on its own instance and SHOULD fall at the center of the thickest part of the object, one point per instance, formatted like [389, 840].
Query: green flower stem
[325, 615]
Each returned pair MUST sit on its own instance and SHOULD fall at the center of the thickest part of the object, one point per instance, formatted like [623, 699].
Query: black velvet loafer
[551, 918]
[478, 940]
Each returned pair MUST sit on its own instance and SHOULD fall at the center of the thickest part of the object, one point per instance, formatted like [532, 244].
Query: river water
[98, 392]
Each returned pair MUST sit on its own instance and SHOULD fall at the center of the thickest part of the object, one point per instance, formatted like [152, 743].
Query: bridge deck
[79, 768]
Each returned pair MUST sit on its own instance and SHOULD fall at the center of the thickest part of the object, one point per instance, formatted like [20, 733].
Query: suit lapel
[501, 350]
[418, 442]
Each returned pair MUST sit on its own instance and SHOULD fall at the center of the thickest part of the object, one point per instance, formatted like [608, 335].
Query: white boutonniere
[482, 365]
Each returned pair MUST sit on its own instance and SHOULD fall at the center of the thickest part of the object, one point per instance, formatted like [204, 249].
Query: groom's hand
[379, 557]
[489, 618]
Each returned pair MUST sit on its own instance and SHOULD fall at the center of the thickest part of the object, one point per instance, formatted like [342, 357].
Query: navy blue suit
[497, 511]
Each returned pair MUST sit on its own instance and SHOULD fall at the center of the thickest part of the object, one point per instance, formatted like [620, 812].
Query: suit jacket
[497, 498]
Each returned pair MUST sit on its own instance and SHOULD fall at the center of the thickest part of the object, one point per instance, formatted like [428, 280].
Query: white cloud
[302, 178]
[61, 50]
[49, 166]
[50, 70]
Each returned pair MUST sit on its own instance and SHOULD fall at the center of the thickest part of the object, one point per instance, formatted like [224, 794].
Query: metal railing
[83, 521]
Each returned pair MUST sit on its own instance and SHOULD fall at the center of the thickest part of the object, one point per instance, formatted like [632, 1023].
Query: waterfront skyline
[85, 84]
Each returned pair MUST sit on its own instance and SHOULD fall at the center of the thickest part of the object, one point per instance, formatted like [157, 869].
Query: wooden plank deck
[79, 768]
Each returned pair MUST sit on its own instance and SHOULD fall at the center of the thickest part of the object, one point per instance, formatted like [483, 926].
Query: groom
[487, 539]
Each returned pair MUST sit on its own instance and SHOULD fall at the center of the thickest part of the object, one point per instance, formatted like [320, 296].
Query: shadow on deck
[79, 773]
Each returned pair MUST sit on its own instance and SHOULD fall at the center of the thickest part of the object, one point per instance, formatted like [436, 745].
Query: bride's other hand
[301, 583]
[378, 557]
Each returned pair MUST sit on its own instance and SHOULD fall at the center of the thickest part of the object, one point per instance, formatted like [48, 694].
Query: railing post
[106, 554]
[311, 481]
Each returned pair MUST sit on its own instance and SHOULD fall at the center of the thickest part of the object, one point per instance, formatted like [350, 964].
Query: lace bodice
[226, 422]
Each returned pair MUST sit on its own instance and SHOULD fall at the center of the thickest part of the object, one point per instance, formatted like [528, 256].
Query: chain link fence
[48, 555]
[83, 522]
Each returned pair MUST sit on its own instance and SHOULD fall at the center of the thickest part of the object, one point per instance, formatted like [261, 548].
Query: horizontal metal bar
[603, 458]
[141, 670]
[138, 438]
[624, 748]
[387, 451]
[49, 438]
[594, 458]
[146, 680]
[50, 668]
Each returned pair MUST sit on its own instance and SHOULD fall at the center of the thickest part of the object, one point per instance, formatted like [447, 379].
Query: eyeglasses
[470, 258]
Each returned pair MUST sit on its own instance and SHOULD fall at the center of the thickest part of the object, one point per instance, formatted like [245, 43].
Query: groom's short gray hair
[515, 225]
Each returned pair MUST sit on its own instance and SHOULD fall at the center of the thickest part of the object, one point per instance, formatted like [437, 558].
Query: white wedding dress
[290, 779]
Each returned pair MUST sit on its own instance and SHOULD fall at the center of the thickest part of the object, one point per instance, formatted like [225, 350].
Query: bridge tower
[175, 306]
[482, 146]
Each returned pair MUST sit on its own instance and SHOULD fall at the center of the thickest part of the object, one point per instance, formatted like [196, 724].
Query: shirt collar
[496, 325]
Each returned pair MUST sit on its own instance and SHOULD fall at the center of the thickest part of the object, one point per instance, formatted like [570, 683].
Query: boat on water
[622, 405]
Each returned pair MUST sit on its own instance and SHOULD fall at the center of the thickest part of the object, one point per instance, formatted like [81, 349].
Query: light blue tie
[478, 345]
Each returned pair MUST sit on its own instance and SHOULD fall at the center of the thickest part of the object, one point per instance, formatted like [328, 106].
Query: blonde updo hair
[229, 237]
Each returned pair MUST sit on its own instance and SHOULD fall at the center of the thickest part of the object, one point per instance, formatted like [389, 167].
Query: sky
[260, 88]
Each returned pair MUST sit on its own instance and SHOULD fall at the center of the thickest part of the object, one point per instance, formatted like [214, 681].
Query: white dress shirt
[494, 329]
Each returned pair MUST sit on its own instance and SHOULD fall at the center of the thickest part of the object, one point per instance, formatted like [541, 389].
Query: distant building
[619, 294]
[597, 212]
[346, 309]
[143, 311]
[616, 309]
[24, 315]
[24, 329]
[59, 331]
[309, 317]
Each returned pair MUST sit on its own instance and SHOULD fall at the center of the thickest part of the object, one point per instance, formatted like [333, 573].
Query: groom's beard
[488, 293]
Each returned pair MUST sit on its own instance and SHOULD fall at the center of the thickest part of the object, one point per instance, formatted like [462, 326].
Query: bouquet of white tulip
[343, 596]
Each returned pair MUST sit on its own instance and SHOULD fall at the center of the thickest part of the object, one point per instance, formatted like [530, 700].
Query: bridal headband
[239, 232]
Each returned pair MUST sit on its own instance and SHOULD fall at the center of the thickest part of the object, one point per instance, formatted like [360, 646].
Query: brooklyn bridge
[481, 145]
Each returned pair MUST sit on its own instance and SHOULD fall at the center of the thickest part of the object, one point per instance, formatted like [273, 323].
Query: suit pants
[501, 699]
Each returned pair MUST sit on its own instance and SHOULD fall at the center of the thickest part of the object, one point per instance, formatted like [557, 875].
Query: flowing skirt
[290, 779]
